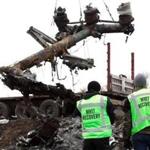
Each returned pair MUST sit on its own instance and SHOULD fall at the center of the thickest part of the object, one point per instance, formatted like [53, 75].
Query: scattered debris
[23, 134]
[49, 124]
[3, 121]
[69, 135]
[75, 62]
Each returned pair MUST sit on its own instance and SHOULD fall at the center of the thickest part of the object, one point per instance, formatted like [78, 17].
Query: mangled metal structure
[14, 76]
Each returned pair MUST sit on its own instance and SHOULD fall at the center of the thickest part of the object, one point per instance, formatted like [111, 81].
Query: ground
[51, 133]
[15, 128]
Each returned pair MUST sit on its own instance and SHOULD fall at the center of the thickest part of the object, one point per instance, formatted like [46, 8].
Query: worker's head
[94, 86]
[140, 81]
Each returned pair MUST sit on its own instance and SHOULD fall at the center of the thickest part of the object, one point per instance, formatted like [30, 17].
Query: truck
[39, 98]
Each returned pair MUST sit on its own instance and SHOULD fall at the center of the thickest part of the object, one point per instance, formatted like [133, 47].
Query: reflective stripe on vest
[97, 129]
[140, 118]
[102, 127]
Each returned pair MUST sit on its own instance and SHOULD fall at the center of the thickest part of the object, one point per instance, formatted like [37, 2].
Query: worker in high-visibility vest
[138, 107]
[97, 116]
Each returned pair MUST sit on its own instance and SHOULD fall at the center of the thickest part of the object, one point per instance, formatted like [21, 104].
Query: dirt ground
[13, 129]
[67, 136]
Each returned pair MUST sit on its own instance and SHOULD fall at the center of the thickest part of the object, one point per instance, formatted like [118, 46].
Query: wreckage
[50, 104]
[57, 100]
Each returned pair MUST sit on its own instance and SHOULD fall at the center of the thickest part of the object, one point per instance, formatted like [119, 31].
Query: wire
[73, 79]
[80, 11]
[107, 8]
[52, 23]
[55, 5]
[58, 76]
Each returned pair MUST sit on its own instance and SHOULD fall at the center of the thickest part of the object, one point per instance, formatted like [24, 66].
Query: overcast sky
[15, 44]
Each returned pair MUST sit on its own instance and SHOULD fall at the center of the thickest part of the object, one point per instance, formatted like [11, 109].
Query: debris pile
[69, 135]
[49, 135]
[52, 134]
[23, 134]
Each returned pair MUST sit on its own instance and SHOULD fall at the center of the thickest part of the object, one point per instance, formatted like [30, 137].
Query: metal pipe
[114, 28]
[132, 66]
[108, 68]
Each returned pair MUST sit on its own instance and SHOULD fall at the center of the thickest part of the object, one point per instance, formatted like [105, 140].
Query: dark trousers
[141, 141]
[96, 144]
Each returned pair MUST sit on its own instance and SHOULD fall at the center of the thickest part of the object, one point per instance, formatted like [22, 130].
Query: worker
[96, 118]
[137, 105]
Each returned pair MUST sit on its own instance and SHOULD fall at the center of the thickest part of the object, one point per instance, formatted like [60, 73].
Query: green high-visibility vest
[95, 120]
[140, 110]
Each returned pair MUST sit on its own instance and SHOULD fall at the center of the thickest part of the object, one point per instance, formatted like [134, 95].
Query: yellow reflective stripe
[79, 105]
[103, 128]
[141, 120]
[102, 110]
[138, 112]
[93, 104]
[100, 103]
[90, 105]
[138, 95]
[140, 117]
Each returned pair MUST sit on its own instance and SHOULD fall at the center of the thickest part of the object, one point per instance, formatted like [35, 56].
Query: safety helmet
[140, 80]
[94, 86]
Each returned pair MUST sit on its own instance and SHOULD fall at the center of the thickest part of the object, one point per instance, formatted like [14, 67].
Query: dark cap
[94, 86]
[140, 80]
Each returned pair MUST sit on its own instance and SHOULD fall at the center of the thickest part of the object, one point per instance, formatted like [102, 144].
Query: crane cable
[55, 5]
[80, 11]
[107, 8]
[73, 78]
[52, 23]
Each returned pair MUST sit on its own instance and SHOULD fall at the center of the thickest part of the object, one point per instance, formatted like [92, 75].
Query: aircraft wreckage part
[55, 49]
[43, 35]
[114, 28]
[61, 19]
[24, 84]
[125, 13]
[76, 62]
[40, 37]
[4, 110]
[49, 108]
[91, 15]
[59, 48]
